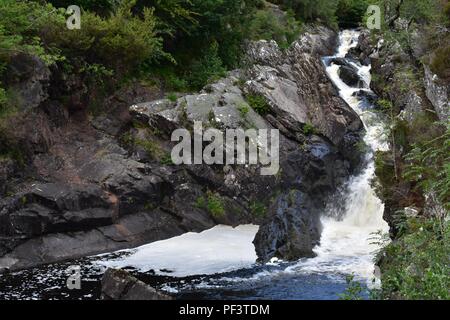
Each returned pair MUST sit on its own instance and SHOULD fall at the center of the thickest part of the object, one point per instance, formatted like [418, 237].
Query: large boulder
[292, 230]
[120, 285]
[349, 74]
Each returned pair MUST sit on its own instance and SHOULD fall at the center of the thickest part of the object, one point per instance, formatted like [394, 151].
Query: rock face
[120, 285]
[106, 184]
[28, 77]
[438, 93]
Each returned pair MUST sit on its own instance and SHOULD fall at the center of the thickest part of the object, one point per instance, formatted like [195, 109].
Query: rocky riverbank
[97, 184]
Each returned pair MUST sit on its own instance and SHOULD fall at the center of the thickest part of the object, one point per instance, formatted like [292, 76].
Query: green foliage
[415, 266]
[207, 69]
[428, 163]
[267, 26]
[167, 159]
[21, 24]
[354, 290]
[243, 109]
[3, 100]
[258, 209]
[103, 7]
[409, 10]
[172, 97]
[10, 147]
[313, 10]
[151, 148]
[213, 203]
[309, 129]
[8, 105]
[258, 103]
[350, 13]
[447, 12]
[120, 42]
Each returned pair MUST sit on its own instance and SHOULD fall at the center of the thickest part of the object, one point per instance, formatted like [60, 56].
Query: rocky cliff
[415, 100]
[97, 184]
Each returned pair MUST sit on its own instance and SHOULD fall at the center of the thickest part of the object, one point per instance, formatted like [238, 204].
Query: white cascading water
[345, 246]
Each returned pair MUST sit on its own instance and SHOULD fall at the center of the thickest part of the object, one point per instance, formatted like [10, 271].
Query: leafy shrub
[10, 148]
[258, 209]
[267, 26]
[354, 290]
[415, 266]
[258, 103]
[120, 42]
[309, 129]
[167, 159]
[213, 203]
[350, 13]
[429, 164]
[172, 97]
[207, 69]
[102, 7]
[313, 10]
[243, 109]
[3, 99]
[151, 148]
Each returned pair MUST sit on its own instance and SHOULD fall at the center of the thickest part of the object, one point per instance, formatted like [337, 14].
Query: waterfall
[345, 246]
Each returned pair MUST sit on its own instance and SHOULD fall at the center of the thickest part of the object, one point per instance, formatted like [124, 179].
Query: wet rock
[7, 171]
[120, 285]
[363, 50]
[128, 180]
[48, 208]
[367, 98]
[298, 90]
[349, 74]
[293, 230]
[338, 61]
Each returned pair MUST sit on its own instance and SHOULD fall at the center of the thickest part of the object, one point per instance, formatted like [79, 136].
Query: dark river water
[259, 282]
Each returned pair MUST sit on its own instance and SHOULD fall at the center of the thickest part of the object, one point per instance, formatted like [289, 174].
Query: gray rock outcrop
[438, 93]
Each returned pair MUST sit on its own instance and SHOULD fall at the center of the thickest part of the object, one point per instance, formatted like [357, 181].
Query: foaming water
[218, 250]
